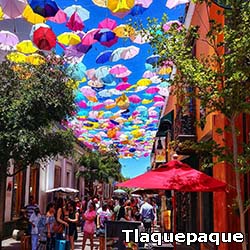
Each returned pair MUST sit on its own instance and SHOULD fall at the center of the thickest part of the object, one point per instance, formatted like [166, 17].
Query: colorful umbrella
[75, 23]
[134, 99]
[76, 71]
[82, 13]
[173, 3]
[144, 82]
[130, 52]
[158, 98]
[137, 10]
[26, 47]
[104, 35]
[31, 17]
[144, 3]
[103, 56]
[116, 54]
[152, 59]
[123, 86]
[44, 38]
[100, 3]
[35, 27]
[88, 38]
[35, 59]
[120, 5]
[13, 8]
[59, 18]
[118, 69]
[45, 8]
[107, 23]
[69, 38]
[16, 57]
[124, 30]
[152, 90]
[7, 40]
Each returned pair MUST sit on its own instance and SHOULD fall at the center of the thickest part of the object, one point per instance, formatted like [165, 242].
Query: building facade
[205, 212]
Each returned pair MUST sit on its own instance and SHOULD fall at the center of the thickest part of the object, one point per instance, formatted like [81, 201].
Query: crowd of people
[64, 216]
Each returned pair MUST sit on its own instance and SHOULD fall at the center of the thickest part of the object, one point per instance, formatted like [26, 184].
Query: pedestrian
[50, 220]
[72, 221]
[89, 226]
[147, 214]
[34, 220]
[60, 219]
[104, 215]
[120, 210]
[29, 211]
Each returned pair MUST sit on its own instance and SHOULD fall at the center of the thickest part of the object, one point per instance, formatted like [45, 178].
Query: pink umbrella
[82, 104]
[173, 3]
[166, 26]
[134, 99]
[107, 23]
[118, 69]
[87, 91]
[108, 102]
[123, 86]
[143, 3]
[148, 74]
[158, 98]
[13, 8]
[153, 114]
[75, 22]
[88, 38]
[159, 104]
[152, 90]
[90, 73]
[130, 52]
[98, 106]
[60, 17]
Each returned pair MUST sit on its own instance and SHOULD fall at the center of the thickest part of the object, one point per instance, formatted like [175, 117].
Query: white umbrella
[63, 190]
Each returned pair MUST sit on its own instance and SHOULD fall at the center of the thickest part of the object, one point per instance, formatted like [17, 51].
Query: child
[34, 219]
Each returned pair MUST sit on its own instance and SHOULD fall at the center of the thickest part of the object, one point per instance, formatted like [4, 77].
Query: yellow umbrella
[120, 5]
[100, 3]
[69, 38]
[144, 82]
[16, 57]
[165, 71]
[31, 16]
[1, 13]
[110, 106]
[146, 101]
[26, 47]
[122, 101]
[124, 30]
[35, 59]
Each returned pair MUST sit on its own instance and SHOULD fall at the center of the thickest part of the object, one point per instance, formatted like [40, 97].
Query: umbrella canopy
[69, 38]
[63, 190]
[173, 3]
[44, 38]
[60, 17]
[107, 23]
[75, 23]
[31, 17]
[45, 8]
[13, 8]
[104, 56]
[178, 176]
[120, 5]
[120, 191]
[7, 40]
[26, 47]
[81, 12]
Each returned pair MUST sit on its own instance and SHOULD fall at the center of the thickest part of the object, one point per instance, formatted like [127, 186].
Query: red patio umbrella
[44, 38]
[178, 176]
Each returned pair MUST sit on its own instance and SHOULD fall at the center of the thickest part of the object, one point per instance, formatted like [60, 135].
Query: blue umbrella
[45, 8]
[76, 71]
[103, 56]
[104, 35]
[137, 10]
[152, 59]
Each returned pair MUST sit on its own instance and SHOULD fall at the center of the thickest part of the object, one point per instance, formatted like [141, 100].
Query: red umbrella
[75, 23]
[44, 38]
[178, 176]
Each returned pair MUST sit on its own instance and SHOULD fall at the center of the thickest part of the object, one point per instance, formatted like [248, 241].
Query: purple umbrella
[45, 8]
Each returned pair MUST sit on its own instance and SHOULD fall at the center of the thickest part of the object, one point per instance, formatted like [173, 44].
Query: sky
[133, 166]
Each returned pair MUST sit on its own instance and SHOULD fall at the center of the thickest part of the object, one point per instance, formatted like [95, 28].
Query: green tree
[33, 101]
[221, 81]
[99, 166]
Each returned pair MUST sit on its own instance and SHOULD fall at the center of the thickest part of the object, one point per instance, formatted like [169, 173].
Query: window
[57, 177]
